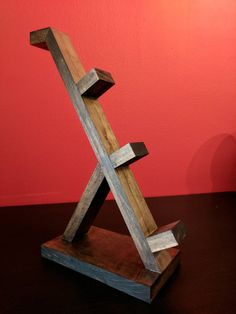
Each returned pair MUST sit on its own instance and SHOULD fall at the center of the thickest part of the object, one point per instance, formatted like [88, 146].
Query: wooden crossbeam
[97, 189]
[127, 194]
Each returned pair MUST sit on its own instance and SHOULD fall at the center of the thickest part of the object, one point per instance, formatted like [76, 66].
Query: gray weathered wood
[167, 236]
[97, 189]
[112, 178]
[95, 83]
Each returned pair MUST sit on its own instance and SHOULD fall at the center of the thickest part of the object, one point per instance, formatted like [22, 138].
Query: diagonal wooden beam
[127, 194]
[97, 189]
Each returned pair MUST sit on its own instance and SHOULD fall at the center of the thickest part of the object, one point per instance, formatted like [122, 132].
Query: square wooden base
[112, 259]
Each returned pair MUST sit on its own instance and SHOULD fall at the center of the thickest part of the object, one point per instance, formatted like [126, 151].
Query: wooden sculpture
[138, 265]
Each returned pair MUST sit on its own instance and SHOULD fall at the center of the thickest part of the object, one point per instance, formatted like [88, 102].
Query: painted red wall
[174, 63]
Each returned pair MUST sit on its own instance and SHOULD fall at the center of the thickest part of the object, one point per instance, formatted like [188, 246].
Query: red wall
[174, 63]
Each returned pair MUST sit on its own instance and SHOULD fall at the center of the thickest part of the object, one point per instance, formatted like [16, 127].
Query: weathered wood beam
[167, 236]
[97, 189]
[127, 194]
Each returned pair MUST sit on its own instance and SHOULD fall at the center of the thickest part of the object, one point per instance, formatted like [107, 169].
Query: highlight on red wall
[174, 63]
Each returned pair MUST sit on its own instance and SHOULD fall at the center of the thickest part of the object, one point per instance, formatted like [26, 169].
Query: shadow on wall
[213, 167]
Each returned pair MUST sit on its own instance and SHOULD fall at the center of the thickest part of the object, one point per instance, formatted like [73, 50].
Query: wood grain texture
[112, 259]
[129, 198]
[97, 189]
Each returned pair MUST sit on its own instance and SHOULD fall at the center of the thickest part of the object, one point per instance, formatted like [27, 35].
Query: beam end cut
[95, 83]
[167, 236]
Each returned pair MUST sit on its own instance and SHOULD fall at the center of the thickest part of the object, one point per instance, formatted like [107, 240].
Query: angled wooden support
[111, 173]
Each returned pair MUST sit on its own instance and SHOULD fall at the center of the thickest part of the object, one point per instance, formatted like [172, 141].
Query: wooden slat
[97, 189]
[129, 199]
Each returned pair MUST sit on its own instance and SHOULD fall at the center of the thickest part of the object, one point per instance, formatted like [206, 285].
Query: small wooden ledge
[167, 236]
[128, 154]
[95, 83]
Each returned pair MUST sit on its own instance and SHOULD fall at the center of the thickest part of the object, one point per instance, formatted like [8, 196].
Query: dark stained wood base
[110, 258]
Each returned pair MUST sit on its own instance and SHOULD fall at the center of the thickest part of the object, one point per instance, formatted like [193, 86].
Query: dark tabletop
[204, 283]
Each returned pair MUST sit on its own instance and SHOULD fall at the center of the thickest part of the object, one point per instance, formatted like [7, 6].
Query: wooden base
[111, 258]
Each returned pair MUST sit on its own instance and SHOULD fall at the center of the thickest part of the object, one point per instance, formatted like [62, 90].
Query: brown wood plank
[110, 258]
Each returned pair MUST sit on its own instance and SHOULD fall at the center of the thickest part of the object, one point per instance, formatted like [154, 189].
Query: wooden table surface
[204, 283]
